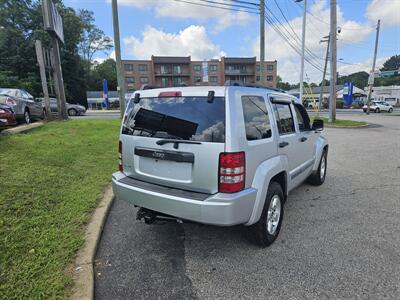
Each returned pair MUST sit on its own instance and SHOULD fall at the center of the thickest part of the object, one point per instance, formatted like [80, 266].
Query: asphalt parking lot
[340, 240]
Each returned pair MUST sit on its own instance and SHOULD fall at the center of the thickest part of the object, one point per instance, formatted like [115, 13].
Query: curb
[355, 127]
[22, 128]
[83, 271]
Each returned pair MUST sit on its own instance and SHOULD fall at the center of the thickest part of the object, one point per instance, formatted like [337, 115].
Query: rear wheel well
[281, 178]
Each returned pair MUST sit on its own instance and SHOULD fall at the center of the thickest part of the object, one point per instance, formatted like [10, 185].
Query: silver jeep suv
[221, 155]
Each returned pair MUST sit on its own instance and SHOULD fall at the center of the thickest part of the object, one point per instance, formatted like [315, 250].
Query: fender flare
[320, 144]
[262, 177]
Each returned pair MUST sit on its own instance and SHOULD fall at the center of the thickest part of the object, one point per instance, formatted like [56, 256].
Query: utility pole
[42, 69]
[262, 40]
[303, 43]
[323, 76]
[371, 82]
[117, 47]
[333, 57]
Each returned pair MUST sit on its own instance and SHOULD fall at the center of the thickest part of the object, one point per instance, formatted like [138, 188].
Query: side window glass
[256, 118]
[284, 118]
[302, 117]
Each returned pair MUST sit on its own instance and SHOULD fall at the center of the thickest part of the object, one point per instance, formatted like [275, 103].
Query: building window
[197, 79]
[130, 80]
[270, 78]
[128, 67]
[197, 68]
[258, 68]
[213, 78]
[256, 118]
[164, 81]
[143, 68]
[258, 78]
[178, 81]
[213, 67]
[177, 70]
[270, 67]
[164, 69]
[144, 79]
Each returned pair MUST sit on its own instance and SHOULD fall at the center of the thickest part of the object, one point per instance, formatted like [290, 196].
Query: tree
[393, 63]
[106, 70]
[92, 39]
[284, 85]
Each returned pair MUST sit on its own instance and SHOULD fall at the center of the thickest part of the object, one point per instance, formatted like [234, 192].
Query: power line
[243, 2]
[229, 4]
[213, 6]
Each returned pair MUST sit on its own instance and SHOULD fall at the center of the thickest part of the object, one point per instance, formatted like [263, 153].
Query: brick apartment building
[169, 71]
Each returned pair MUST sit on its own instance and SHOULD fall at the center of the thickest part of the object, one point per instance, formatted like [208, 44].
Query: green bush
[339, 103]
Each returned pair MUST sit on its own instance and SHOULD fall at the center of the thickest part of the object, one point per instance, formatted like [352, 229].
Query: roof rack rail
[254, 85]
[149, 87]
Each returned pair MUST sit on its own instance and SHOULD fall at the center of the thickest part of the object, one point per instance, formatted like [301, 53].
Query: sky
[174, 28]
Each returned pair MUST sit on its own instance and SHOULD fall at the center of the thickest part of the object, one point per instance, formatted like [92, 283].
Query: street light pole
[262, 40]
[333, 57]
[323, 76]
[117, 47]
[303, 43]
[371, 81]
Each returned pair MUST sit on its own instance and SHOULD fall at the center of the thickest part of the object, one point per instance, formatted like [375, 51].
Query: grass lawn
[338, 122]
[50, 182]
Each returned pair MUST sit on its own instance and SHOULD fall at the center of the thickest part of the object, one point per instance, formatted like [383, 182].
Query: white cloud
[317, 26]
[192, 41]
[361, 66]
[388, 11]
[181, 10]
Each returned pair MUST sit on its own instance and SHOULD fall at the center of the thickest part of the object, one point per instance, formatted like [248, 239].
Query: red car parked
[7, 116]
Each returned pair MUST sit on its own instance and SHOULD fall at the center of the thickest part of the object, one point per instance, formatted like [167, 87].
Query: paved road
[339, 240]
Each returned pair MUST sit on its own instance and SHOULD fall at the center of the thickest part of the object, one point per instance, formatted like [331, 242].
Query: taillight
[10, 101]
[231, 174]
[170, 94]
[120, 167]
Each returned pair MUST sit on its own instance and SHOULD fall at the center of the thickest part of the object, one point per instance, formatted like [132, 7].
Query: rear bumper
[217, 209]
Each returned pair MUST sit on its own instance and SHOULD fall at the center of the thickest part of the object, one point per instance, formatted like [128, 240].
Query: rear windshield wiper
[176, 142]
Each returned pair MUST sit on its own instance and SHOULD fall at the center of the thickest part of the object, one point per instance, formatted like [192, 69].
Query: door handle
[283, 144]
[303, 139]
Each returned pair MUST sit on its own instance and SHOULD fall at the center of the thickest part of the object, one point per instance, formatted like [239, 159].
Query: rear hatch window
[185, 118]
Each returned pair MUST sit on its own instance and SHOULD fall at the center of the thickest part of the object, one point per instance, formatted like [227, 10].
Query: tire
[27, 117]
[72, 112]
[266, 230]
[390, 110]
[318, 177]
[377, 110]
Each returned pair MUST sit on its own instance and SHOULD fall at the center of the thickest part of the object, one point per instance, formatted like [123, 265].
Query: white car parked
[221, 155]
[378, 106]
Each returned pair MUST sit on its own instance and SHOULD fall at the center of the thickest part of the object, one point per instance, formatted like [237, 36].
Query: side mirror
[318, 125]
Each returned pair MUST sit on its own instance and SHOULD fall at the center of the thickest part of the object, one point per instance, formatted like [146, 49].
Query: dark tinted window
[187, 118]
[256, 118]
[284, 118]
[302, 117]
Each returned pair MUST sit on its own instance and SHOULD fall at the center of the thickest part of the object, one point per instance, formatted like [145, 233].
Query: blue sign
[348, 93]
[106, 103]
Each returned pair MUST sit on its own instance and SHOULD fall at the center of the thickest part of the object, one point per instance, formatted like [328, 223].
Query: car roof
[202, 91]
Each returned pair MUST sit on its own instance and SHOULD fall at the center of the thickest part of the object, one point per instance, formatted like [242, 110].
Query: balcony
[171, 73]
[239, 72]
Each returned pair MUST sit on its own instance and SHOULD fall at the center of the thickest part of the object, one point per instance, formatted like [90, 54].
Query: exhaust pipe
[150, 216]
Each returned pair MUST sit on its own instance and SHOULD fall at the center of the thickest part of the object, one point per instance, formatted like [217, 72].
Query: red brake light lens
[170, 94]
[232, 169]
[120, 166]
